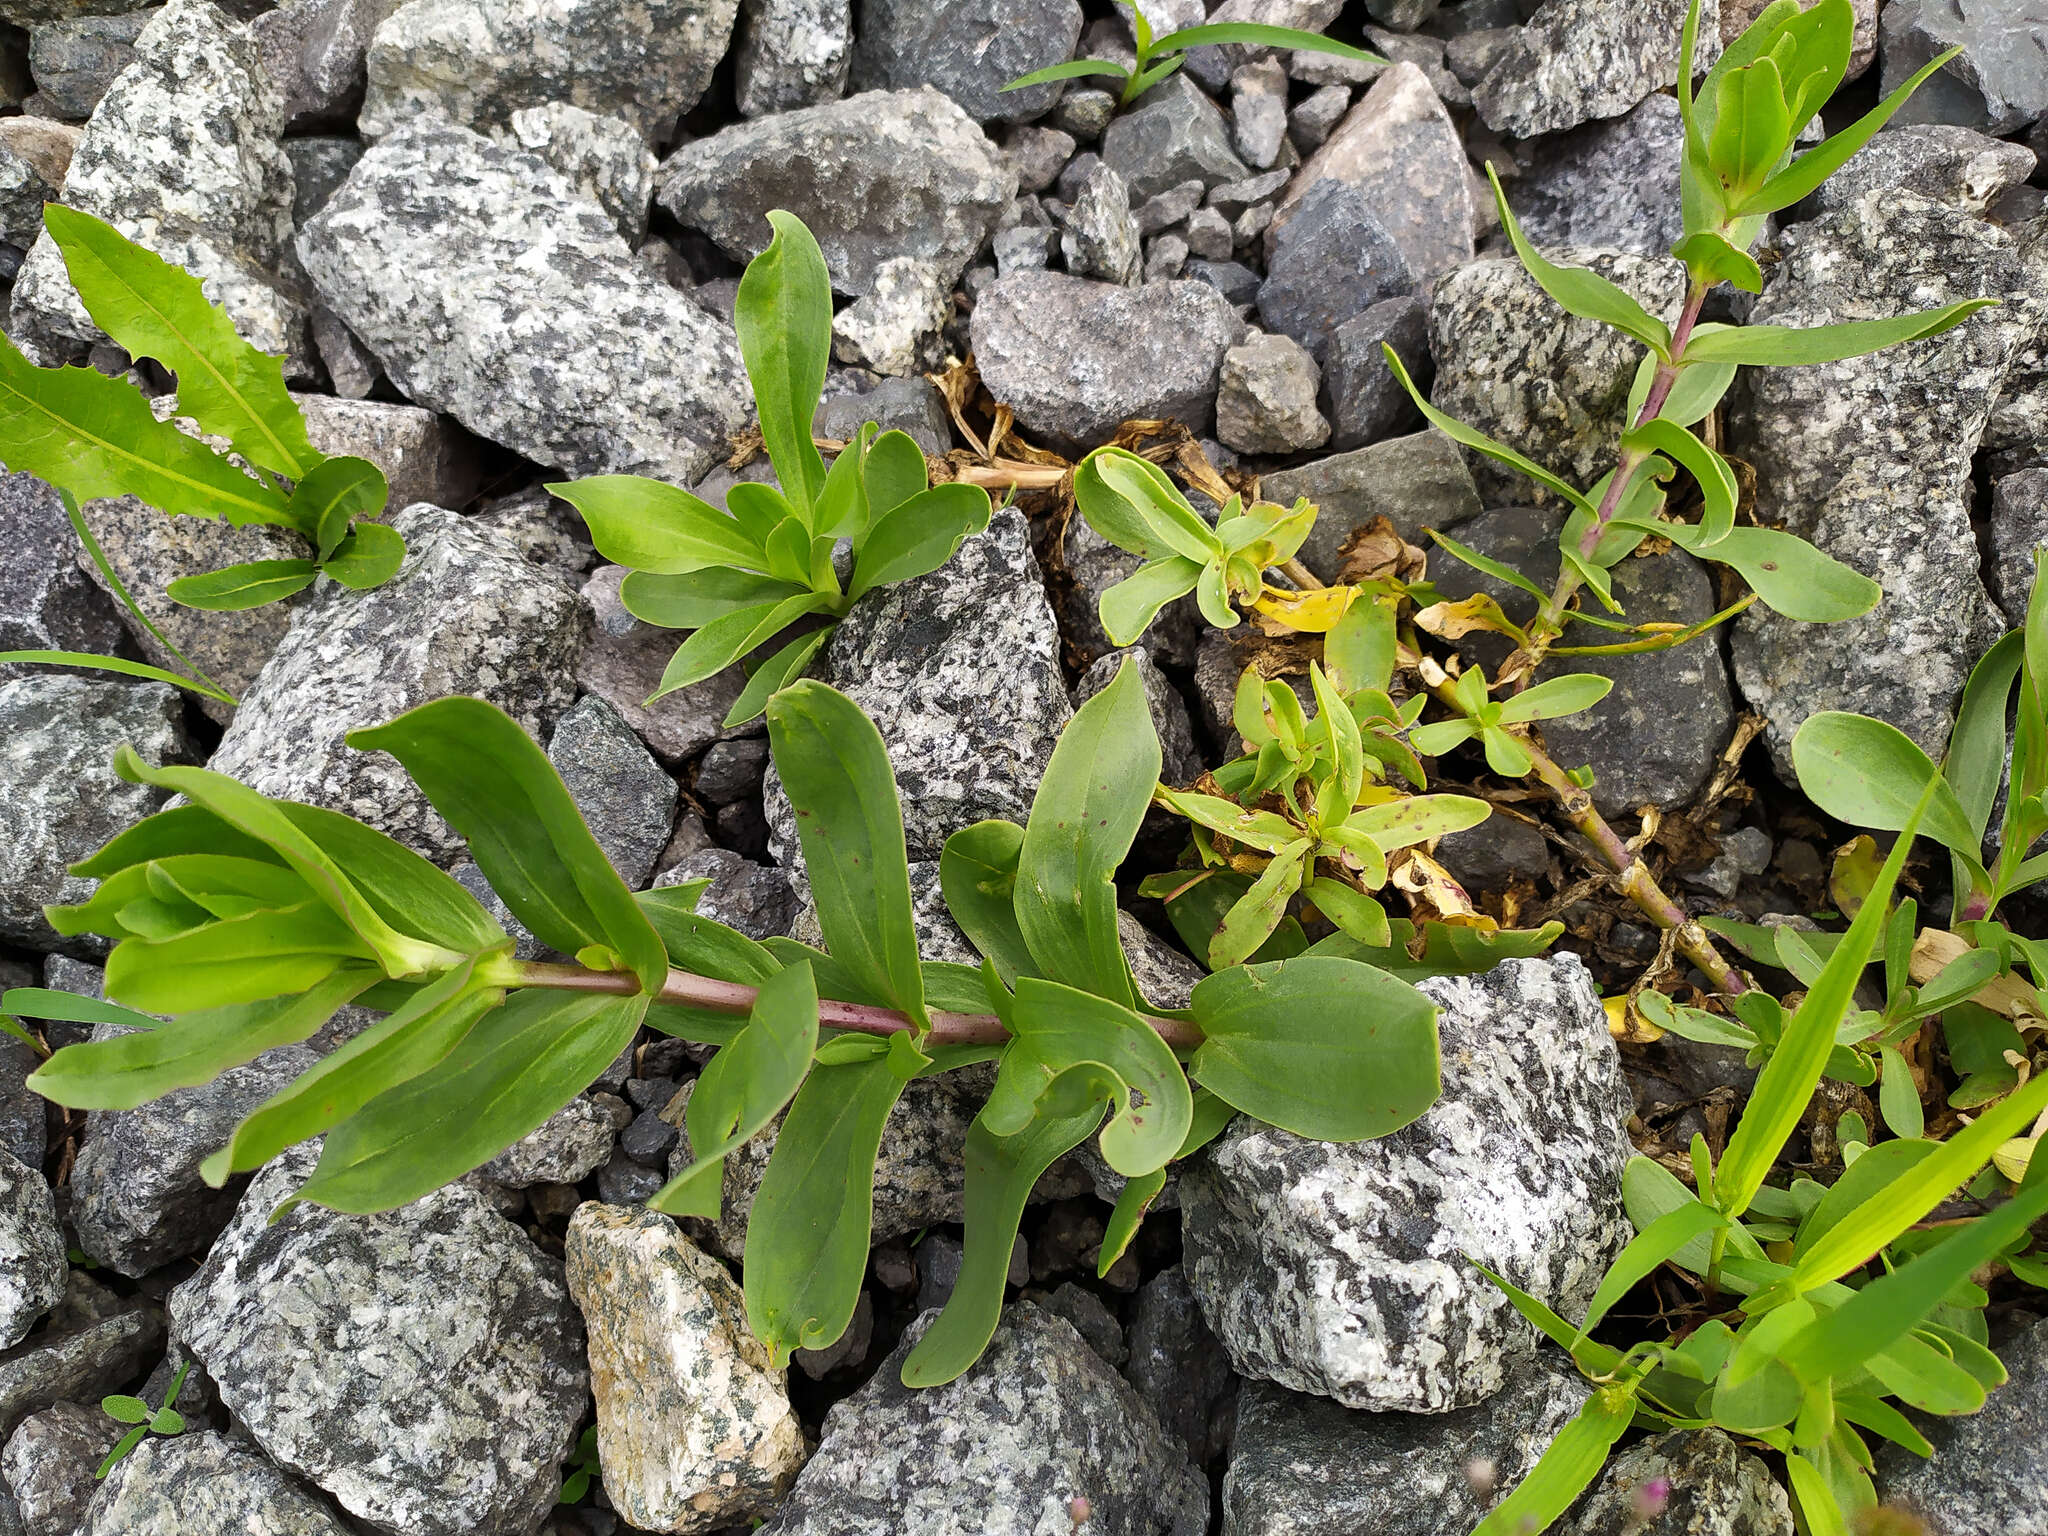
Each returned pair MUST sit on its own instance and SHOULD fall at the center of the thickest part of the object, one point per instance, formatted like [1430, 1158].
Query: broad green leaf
[760, 510]
[241, 960]
[1247, 925]
[1820, 1515]
[784, 319]
[1473, 438]
[1781, 346]
[1128, 608]
[1567, 1468]
[807, 1233]
[1751, 129]
[123, 1409]
[1323, 1047]
[1787, 573]
[1712, 258]
[1359, 651]
[1898, 1099]
[1211, 1116]
[1441, 736]
[730, 636]
[93, 437]
[1557, 697]
[1976, 747]
[894, 472]
[416, 1035]
[368, 557]
[1197, 904]
[774, 674]
[1716, 477]
[1861, 1182]
[1662, 1240]
[1087, 811]
[1131, 503]
[1259, 35]
[220, 885]
[695, 943]
[404, 889]
[128, 1070]
[1255, 829]
[745, 1087]
[1356, 915]
[1418, 818]
[1871, 774]
[836, 773]
[506, 1077]
[1578, 291]
[919, 536]
[694, 598]
[1000, 1173]
[1447, 950]
[842, 510]
[152, 308]
[1073, 69]
[652, 526]
[235, 587]
[498, 790]
[978, 875]
[332, 494]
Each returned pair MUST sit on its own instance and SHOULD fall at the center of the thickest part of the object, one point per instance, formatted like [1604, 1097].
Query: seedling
[583, 1468]
[123, 1409]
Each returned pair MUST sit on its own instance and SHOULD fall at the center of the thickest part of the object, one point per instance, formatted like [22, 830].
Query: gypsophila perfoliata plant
[739, 580]
[93, 436]
[584, 1468]
[123, 1409]
[1170, 52]
[251, 921]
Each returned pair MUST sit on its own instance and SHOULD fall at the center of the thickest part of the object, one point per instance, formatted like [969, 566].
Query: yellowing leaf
[1311, 613]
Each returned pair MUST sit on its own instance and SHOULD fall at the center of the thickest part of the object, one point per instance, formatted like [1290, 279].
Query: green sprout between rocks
[93, 436]
[123, 1409]
[250, 921]
[1170, 52]
[739, 580]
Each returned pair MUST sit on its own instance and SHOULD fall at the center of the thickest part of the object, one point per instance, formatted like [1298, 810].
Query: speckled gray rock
[604, 158]
[1174, 134]
[203, 1482]
[1609, 185]
[960, 672]
[628, 800]
[1999, 85]
[314, 50]
[1076, 359]
[138, 1200]
[78, 1359]
[586, 361]
[32, 1267]
[1178, 1367]
[75, 60]
[1361, 396]
[1181, 760]
[1871, 459]
[58, 733]
[1266, 397]
[1100, 237]
[894, 328]
[1213, 65]
[1258, 112]
[48, 1465]
[1302, 1466]
[569, 1147]
[1513, 364]
[423, 457]
[694, 1427]
[1941, 161]
[46, 602]
[1989, 1472]
[22, 1110]
[475, 64]
[464, 614]
[970, 49]
[35, 154]
[1399, 147]
[1581, 59]
[1716, 1489]
[1341, 1269]
[621, 660]
[1039, 1420]
[758, 901]
[894, 404]
[1332, 260]
[183, 156]
[882, 175]
[479, 1384]
[320, 164]
[2019, 526]
[1415, 482]
[791, 54]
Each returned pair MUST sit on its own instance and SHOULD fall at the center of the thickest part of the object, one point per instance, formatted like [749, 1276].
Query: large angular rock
[1999, 84]
[1513, 364]
[694, 1427]
[35, 154]
[138, 1200]
[877, 177]
[1608, 185]
[1178, 1368]
[960, 672]
[567, 1147]
[63, 800]
[423, 457]
[315, 51]
[1988, 1475]
[1416, 482]
[586, 361]
[1361, 395]
[464, 614]
[2019, 527]
[183, 156]
[628, 800]
[475, 64]
[1949, 164]
[479, 1380]
[791, 54]
[1343, 1270]
[49, 1462]
[1332, 261]
[1266, 397]
[1037, 1423]
[605, 159]
[23, 1126]
[1581, 59]
[46, 602]
[32, 1268]
[79, 1358]
[970, 49]
[203, 1482]
[1076, 359]
[1871, 459]
[1712, 1487]
[1304, 1466]
[1174, 134]
[1400, 148]
[74, 61]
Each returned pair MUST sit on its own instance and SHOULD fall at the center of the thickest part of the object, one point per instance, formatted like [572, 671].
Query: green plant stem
[735, 998]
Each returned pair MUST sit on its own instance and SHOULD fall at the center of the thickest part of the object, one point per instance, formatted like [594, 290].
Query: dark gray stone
[1999, 84]
[791, 54]
[1715, 1488]
[625, 796]
[1039, 1420]
[625, 1182]
[314, 50]
[1173, 206]
[1091, 1318]
[1522, 538]
[970, 49]
[23, 1117]
[1302, 1466]
[760, 902]
[1500, 852]
[319, 166]
[1989, 1473]
[480, 1380]
[47, 602]
[75, 60]
[911, 405]
[49, 1462]
[1266, 397]
[1939, 161]
[960, 672]
[1075, 359]
[621, 660]
[1344, 1269]
[1037, 155]
[877, 177]
[1581, 59]
[35, 155]
[1311, 122]
[1084, 111]
[1331, 260]
[1213, 65]
[1415, 482]
[78, 1358]
[63, 800]
[426, 254]
[202, 1483]
[1174, 134]
[648, 1138]
[1178, 1367]
[1361, 396]
[1609, 185]
[1100, 236]
[465, 614]
[1181, 761]
[32, 1267]
[1238, 283]
[570, 1145]
[2019, 526]
[731, 770]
